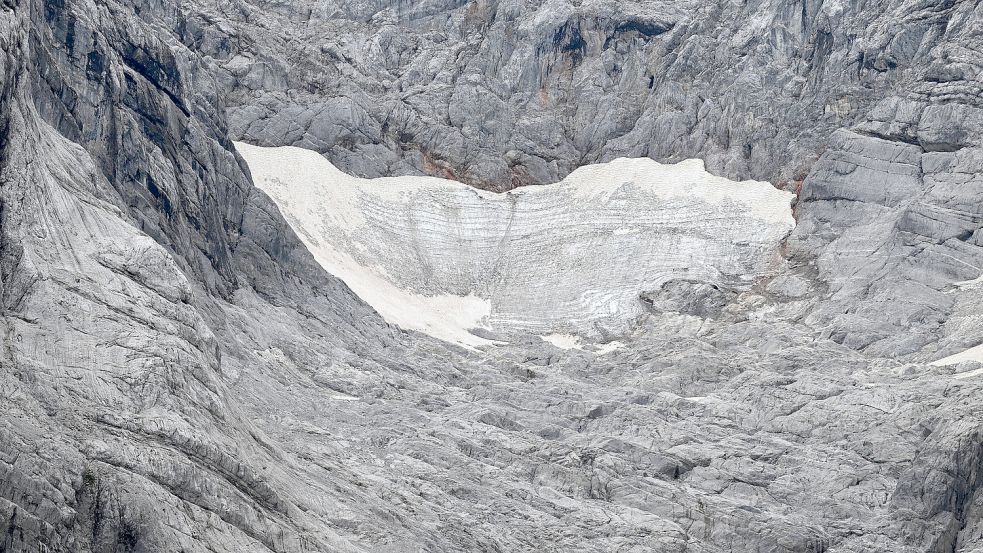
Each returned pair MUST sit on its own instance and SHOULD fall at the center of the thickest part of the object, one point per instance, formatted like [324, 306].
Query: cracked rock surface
[179, 374]
[500, 93]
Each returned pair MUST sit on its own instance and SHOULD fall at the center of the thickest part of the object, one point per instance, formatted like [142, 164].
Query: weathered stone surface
[501, 93]
[178, 373]
[892, 229]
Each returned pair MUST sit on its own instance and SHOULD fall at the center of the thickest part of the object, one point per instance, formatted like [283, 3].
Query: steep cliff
[506, 92]
[179, 374]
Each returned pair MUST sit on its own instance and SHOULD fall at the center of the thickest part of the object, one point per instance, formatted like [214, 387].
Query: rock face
[891, 224]
[178, 373]
[569, 258]
[503, 92]
[128, 229]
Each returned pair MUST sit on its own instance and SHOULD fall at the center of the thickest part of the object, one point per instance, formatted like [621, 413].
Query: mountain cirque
[178, 372]
[569, 258]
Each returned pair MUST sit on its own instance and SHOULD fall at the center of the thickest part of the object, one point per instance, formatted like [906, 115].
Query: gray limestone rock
[501, 93]
[178, 373]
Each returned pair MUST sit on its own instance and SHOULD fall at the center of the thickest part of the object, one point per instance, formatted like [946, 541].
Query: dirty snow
[562, 260]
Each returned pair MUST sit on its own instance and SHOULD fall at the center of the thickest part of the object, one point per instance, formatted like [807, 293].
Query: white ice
[570, 258]
[974, 353]
[563, 341]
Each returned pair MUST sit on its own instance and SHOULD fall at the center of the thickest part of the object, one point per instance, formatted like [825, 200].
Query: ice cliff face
[179, 373]
[568, 258]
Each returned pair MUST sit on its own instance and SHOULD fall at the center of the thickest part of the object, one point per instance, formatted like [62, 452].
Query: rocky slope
[507, 92]
[179, 374]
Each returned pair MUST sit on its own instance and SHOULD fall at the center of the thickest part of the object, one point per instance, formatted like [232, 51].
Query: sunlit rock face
[572, 257]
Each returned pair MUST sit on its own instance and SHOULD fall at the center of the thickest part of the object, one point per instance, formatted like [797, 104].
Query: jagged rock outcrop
[123, 238]
[178, 373]
[500, 93]
[893, 227]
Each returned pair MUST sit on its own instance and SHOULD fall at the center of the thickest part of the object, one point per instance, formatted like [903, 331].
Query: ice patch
[969, 374]
[340, 397]
[974, 353]
[563, 341]
[970, 283]
[570, 258]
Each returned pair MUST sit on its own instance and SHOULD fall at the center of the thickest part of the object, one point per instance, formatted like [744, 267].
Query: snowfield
[566, 259]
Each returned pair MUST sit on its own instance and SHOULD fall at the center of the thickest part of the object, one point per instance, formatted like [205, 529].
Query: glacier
[179, 373]
[565, 259]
